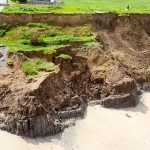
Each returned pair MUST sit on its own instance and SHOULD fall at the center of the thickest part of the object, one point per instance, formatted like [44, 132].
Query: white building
[42, 1]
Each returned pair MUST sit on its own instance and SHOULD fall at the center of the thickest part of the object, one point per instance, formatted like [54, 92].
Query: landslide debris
[106, 73]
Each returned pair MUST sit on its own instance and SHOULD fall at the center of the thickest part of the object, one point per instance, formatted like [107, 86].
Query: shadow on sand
[141, 107]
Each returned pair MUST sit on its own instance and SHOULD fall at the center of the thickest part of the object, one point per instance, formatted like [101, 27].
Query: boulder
[118, 101]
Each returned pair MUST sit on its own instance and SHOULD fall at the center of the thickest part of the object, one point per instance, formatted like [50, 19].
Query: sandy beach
[102, 129]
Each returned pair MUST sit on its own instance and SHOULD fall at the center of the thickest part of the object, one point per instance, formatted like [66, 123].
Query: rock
[128, 116]
[120, 101]
[76, 35]
[41, 125]
[1, 54]
[94, 102]
[126, 85]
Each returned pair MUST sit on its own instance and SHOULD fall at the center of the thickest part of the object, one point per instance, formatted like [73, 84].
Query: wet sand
[102, 129]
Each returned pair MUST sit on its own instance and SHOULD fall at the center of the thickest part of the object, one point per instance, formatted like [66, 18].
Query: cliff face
[108, 74]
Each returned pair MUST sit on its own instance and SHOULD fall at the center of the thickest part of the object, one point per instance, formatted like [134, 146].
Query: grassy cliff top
[43, 37]
[83, 6]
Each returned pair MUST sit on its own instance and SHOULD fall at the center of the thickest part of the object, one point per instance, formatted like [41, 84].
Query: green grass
[49, 51]
[64, 56]
[33, 66]
[84, 6]
[58, 40]
[9, 62]
[3, 29]
[43, 37]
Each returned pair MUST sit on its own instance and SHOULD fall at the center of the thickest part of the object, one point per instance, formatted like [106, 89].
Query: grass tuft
[49, 51]
[33, 66]
[64, 56]
[9, 62]
[36, 40]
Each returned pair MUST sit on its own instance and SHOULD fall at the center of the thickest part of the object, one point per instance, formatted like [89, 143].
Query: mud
[110, 75]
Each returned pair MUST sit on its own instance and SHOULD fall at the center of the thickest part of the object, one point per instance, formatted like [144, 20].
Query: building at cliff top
[4, 3]
[42, 1]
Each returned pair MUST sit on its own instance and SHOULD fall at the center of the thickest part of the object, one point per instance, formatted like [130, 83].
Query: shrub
[3, 29]
[9, 62]
[36, 40]
[4, 26]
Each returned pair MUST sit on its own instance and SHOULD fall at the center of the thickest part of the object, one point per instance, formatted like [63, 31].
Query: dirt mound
[40, 107]
[131, 32]
[129, 44]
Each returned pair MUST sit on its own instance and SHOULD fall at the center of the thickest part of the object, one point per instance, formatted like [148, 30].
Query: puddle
[102, 129]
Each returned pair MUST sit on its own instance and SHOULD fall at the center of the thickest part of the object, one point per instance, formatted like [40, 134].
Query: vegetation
[82, 6]
[9, 62]
[43, 37]
[46, 38]
[33, 66]
[49, 51]
[3, 29]
[36, 40]
[64, 56]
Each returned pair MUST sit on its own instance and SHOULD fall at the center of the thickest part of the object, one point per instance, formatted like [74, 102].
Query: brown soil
[110, 74]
